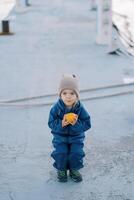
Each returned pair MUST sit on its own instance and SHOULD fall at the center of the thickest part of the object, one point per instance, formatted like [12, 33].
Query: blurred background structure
[114, 22]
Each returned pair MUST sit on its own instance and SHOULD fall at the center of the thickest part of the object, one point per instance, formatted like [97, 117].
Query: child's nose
[68, 96]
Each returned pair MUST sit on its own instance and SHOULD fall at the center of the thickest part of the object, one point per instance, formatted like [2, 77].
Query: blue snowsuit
[68, 140]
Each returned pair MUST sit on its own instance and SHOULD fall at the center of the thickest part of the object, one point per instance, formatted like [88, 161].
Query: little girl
[68, 130]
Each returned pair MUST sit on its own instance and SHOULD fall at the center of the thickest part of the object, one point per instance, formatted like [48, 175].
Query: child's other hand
[64, 122]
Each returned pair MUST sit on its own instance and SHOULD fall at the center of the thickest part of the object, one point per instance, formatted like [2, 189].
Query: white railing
[104, 21]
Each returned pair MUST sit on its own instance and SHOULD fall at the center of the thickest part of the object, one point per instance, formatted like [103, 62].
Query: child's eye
[72, 93]
[64, 93]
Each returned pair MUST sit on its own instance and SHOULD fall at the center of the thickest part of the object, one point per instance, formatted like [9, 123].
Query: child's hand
[64, 122]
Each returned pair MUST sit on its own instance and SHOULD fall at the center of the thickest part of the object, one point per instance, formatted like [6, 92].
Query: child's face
[69, 97]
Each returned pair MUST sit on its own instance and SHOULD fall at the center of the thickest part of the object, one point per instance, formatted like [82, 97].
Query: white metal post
[6, 7]
[104, 21]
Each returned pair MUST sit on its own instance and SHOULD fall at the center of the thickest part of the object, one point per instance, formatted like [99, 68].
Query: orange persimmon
[70, 117]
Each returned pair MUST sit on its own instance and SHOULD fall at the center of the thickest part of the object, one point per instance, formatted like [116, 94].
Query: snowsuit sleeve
[55, 122]
[83, 123]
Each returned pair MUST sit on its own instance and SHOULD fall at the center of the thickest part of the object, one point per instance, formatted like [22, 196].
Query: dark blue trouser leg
[68, 153]
[76, 156]
[60, 154]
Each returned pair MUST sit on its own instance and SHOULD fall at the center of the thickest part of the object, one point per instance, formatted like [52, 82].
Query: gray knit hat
[69, 81]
